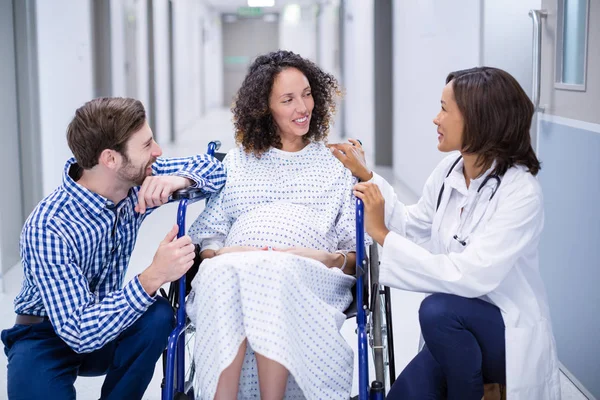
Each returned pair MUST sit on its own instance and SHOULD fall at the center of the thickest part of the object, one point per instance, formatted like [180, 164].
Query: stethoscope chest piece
[458, 237]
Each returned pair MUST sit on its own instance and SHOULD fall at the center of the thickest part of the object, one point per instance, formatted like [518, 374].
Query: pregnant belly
[282, 225]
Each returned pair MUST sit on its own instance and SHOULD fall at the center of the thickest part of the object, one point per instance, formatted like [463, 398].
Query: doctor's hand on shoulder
[352, 156]
[374, 205]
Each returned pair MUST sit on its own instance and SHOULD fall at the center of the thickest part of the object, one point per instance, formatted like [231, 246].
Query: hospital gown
[290, 308]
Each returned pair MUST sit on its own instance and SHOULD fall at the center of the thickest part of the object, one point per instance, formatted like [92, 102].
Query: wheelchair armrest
[188, 193]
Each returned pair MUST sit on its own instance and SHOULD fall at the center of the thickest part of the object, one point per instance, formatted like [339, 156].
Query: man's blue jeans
[42, 366]
[464, 348]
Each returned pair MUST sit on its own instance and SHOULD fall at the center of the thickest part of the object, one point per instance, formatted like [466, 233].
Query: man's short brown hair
[103, 123]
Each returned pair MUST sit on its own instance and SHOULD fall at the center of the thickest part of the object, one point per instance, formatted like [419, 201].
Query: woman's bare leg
[272, 378]
[229, 381]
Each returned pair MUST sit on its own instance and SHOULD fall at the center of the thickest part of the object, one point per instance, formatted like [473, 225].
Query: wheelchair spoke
[190, 340]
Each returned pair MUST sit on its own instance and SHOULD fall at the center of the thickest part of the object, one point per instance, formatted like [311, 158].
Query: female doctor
[487, 319]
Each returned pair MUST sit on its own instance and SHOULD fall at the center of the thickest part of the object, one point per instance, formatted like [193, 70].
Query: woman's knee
[433, 308]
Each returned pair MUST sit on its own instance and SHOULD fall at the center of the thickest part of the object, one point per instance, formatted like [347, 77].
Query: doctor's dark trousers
[42, 366]
[464, 348]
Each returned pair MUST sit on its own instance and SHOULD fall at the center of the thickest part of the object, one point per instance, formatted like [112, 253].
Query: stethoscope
[458, 237]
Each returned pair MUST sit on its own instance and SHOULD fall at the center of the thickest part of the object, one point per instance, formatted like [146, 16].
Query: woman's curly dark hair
[255, 128]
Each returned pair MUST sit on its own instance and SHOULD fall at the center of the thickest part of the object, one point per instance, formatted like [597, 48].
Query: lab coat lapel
[436, 245]
[451, 183]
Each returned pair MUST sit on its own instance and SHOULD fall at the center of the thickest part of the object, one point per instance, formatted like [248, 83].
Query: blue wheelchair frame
[175, 358]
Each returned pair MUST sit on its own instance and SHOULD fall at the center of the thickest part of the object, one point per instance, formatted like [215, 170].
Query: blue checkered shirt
[75, 249]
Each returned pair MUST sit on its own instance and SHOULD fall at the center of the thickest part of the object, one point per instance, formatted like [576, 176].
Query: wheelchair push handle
[213, 147]
[191, 193]
[188, 193]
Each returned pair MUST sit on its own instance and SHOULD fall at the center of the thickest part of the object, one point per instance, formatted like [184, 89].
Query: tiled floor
[217, 125]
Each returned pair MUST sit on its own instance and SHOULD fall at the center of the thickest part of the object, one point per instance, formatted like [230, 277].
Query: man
[75, 315]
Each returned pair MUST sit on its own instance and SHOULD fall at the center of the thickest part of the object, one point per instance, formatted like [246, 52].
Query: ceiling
[233, 5]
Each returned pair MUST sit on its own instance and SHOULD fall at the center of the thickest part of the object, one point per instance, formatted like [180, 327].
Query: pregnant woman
[277, 245]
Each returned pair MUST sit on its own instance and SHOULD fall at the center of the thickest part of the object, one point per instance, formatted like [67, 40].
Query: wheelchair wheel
[380, 334]
[189, 343]
[190, 369]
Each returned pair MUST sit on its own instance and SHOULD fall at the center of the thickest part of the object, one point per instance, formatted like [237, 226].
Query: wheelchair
[371, 307]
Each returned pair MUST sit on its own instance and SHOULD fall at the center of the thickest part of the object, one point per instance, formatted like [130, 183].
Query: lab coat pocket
[531, 366]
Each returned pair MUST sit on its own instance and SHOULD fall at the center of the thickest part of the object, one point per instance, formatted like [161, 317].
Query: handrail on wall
[536, 16]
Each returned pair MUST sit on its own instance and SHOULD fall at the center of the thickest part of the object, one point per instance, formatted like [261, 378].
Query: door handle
[536, 17]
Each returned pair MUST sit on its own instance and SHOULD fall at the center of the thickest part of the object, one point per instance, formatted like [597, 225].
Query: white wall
[192, 74]
[358, 73]
[118, 15]
[328, 38]
[328, 52]
[162, 130]
[298, 30]
[143, 84]
[65, 78]
[117, 45]
[431, 39]
[186, 39]
[11, 208]
[213, 61]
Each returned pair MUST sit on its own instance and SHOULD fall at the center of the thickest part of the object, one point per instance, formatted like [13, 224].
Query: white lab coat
[499, 264]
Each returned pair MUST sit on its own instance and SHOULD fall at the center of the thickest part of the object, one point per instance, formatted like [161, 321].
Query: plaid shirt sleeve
[78, 317]
[206, 171]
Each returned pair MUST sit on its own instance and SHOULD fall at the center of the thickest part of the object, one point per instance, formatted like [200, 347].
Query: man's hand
[155, 190]
[352, 156]
[374, 204]
[172, 259]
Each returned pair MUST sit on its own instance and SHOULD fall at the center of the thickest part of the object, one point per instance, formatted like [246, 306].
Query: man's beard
[131, 173]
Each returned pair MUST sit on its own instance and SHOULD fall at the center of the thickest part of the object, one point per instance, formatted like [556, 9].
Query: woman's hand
[374, 204]
[329, 259]
[352, 156]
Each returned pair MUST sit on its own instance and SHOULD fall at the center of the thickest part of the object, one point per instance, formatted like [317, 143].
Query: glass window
[571, 44]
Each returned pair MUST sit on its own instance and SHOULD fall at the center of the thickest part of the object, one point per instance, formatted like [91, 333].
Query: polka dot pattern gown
[289, 308]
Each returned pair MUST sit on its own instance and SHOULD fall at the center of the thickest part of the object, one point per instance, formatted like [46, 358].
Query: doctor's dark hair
[497, 115]
[103, 123]
[255, 128]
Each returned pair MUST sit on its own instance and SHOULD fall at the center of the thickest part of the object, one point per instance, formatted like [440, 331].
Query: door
[507, 40]
[569, 148]
[243, 40]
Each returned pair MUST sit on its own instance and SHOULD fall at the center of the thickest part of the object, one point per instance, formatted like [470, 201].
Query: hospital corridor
[393, 61]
